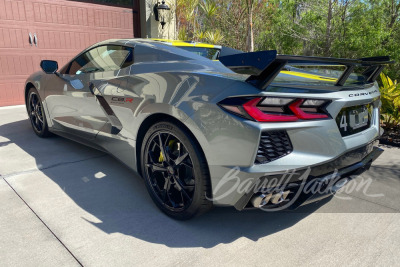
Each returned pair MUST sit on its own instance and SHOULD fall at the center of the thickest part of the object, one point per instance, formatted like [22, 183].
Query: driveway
[62, 203]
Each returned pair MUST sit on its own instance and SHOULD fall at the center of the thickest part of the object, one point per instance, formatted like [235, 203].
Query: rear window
[210, 53]
[318, 75]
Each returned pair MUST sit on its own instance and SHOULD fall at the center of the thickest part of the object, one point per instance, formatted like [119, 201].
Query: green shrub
[390, 97]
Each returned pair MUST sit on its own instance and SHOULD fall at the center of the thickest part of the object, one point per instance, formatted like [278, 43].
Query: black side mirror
[49, 66]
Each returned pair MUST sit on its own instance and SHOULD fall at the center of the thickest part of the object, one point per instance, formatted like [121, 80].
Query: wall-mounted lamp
[160, 12]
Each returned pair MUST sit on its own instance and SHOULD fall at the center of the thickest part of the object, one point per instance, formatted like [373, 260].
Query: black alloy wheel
[175, 172]
[170, 169]
[36, 114]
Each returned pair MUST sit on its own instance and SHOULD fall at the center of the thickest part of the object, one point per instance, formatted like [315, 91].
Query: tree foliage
[338, 28]
[199, 20]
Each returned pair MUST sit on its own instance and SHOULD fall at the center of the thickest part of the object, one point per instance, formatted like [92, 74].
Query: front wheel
[36, 113]
[175, 171]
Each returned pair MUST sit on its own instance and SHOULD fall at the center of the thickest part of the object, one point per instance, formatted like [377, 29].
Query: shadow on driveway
[111, 192]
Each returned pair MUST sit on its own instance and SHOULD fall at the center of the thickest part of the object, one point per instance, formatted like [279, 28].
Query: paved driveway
[65, 204]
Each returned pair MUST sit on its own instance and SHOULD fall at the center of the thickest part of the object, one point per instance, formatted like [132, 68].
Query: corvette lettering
[364, 94]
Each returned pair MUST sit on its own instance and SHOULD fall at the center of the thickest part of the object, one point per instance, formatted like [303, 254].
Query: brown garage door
[32, 30]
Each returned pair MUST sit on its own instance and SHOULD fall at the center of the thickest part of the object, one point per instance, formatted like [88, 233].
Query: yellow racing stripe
[309, 76]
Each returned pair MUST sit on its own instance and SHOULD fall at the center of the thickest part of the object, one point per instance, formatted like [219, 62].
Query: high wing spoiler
[264, 66]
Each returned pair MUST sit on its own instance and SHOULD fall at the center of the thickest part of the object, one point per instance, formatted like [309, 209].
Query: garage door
[32, 30]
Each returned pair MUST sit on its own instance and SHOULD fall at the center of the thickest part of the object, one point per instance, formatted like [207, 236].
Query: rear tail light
[296, 108]
[276, 109]
[259, 114]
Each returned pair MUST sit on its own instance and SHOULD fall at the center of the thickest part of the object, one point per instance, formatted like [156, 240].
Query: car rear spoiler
[227, 51]
[264, 66]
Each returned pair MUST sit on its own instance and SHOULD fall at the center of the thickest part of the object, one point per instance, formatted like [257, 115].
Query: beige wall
[151, 28]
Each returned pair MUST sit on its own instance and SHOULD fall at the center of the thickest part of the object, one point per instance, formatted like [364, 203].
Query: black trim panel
[350, 163]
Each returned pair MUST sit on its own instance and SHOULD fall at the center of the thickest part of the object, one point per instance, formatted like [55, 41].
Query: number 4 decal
[343, 122]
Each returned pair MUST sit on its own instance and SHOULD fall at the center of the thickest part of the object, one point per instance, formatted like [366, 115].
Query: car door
[73, 107]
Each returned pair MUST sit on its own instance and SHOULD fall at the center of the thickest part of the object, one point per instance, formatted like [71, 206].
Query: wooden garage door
[32, 30]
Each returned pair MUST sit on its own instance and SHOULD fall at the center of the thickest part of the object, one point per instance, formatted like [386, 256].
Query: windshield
[210, 53]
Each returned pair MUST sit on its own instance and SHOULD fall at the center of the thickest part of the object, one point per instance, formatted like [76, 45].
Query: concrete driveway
[62, 203]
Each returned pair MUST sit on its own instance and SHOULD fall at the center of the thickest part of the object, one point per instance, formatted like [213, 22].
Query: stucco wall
[150, 27]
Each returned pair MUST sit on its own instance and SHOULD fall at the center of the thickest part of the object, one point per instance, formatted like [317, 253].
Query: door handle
[35, 39]
[30, 39]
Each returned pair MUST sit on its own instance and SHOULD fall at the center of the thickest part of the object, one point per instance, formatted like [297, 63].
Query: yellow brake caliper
[170, 145]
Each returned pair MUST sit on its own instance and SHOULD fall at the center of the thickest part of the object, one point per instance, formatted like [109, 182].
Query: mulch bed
[391, 137]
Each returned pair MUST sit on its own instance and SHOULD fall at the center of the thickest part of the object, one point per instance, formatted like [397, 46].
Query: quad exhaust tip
[261, 200]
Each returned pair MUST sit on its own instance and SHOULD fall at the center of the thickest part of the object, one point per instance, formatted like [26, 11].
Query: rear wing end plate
[264, 66]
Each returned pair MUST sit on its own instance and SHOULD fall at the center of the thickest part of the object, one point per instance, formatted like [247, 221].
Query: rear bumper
[346, 174]
[314, 183]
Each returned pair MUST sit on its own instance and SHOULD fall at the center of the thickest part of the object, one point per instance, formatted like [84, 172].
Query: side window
[102, 58]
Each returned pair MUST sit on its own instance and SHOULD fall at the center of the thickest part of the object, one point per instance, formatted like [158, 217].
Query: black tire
[36, 113]
[183, 174]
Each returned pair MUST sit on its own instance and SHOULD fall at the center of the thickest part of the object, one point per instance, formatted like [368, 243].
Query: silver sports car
[249, 130]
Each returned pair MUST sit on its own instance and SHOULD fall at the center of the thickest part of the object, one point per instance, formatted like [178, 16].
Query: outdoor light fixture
[160, 12]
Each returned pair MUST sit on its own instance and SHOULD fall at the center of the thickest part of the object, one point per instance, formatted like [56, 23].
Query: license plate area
[352, 120]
